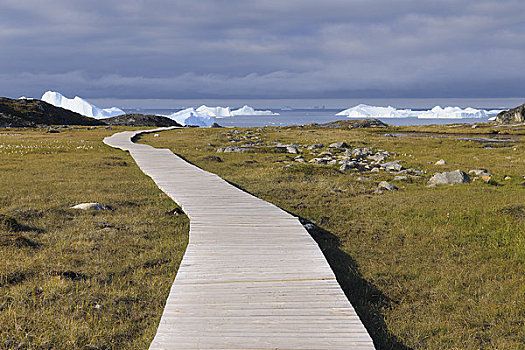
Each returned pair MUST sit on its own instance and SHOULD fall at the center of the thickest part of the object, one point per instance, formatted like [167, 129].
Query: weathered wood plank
[252, 277]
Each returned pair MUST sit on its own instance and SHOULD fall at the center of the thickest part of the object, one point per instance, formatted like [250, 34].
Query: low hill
[512, 116]
[21, 113]
[136, 119]
[355, 123]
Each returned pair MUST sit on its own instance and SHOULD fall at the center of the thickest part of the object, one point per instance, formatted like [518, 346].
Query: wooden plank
[251, 277]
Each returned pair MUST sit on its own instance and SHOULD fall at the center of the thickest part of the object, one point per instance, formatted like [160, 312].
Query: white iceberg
[247, 110]
[80, 106]
[365, 111]
[190, 116]
[217, 112]
[205, 116]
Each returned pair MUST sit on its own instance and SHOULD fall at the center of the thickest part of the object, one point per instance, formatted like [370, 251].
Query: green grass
[72, 279]
[426, 268]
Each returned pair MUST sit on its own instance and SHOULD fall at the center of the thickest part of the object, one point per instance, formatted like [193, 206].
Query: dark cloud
[262, 49]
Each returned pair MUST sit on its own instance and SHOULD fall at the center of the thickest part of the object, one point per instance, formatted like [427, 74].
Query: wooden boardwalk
[252, 277]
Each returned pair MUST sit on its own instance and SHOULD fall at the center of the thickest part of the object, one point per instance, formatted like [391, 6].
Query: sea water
[300, 112]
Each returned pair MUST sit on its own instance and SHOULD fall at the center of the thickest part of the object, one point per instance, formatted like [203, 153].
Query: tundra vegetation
[75, 279]
[426, 267]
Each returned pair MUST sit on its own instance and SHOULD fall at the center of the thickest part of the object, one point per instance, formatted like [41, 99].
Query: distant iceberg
[191, 116]
[80, 106]
[365, 111]
[205, 116]
[247, 110]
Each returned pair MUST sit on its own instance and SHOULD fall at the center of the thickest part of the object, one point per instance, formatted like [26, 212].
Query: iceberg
[205, 116]
[80, 106]
[247, 110]
[191, 116]
[366, 111]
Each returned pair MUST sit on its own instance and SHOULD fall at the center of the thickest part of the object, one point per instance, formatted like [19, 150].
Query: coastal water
[304, 111]
[305, 116]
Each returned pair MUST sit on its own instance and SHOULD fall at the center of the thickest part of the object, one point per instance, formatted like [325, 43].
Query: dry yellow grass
[72, 279]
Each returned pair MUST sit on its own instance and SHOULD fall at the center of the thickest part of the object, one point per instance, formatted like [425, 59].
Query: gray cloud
[262, 49]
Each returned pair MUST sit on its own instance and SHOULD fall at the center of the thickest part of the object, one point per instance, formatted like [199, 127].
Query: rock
[52, 131]
[449, 178]
[358, 153]
[292, 150]
[311, 147]
[338, 145]
[235, 149]
[383, 185]
[375, 170]
[378, 158]
[348, 166]
[507, 178]
[441, 162]
[392, 166]
[512, 116]
[352, 164]
[475, 126]
[480, 172]
[156, 135]
[362, 178]
[215, 125]
[332, 162]
[399, 178]
[90, 206]
[318, 161]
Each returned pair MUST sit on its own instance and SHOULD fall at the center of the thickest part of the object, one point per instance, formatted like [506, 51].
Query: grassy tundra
[425, 267]
[73, 279]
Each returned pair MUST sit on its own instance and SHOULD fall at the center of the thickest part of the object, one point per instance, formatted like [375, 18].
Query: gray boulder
[338, 145]
[90, 206]
[348, 166]
[378, 158]
[392, 166]
[383, 185]
[292, 150]
[480, 172]
[449, 178]
[441, 162]
[311, 147]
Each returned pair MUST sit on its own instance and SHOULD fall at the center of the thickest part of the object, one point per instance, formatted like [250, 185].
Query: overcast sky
[178, 49]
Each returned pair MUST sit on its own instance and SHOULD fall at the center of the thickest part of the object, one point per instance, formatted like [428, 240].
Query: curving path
[252, 277]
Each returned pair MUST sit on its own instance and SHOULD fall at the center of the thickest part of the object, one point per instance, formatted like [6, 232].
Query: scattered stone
[318, 161]
[392, 166]
[90, 206]
[348, 166]
[52, 131]
[231, 149]
[311, 147]
[292, 150]
[400, 178]
[378, 158]
[450, 178]
[475, 126]
[375, 170]
[338, 145]
[156, 135]
[441, 162]
[480, 172]
[362, 178]
[507, 178]
[383, 185]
